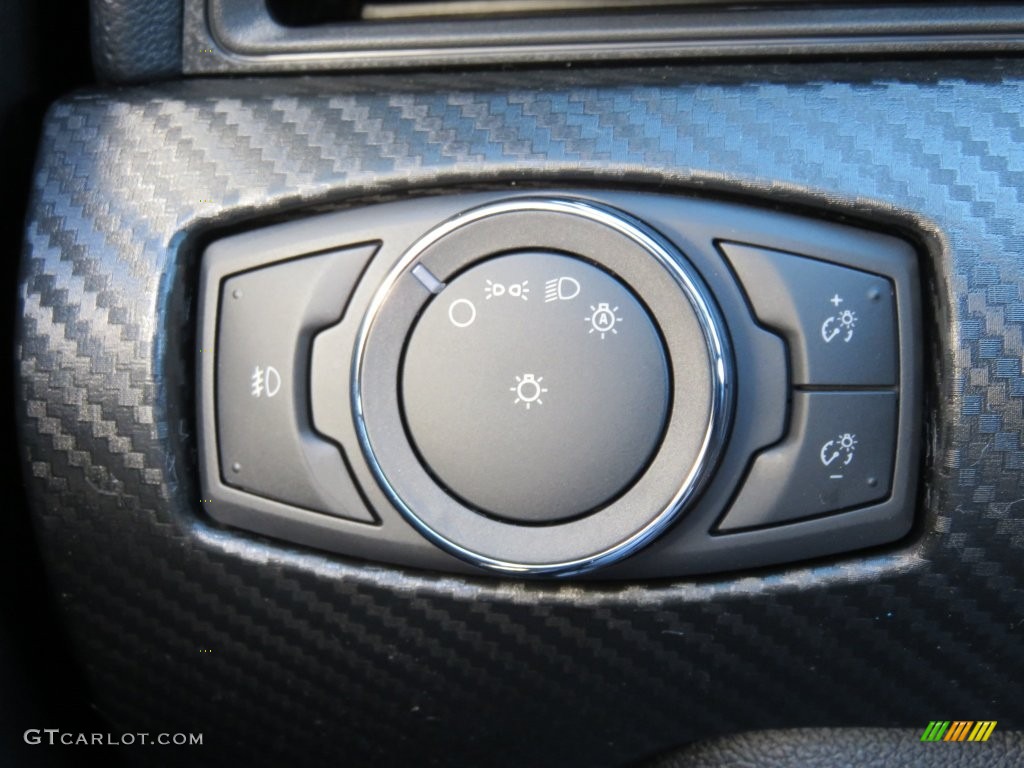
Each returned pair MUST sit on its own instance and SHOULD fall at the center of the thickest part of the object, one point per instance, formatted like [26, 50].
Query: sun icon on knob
[528, 390]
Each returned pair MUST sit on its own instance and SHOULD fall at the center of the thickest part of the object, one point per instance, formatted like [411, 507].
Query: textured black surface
[330, 660]
[45, 52]
[862, 747]
[134, 41]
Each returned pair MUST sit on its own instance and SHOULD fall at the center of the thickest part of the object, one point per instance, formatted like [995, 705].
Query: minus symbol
[835, 477]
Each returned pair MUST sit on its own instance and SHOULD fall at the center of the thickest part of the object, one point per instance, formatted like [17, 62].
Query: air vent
[314, 12]
[224, 36]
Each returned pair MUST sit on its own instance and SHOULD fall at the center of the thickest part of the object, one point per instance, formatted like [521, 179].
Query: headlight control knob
[542, 385]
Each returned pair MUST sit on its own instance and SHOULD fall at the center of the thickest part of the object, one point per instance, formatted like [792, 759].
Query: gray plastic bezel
[693, 225]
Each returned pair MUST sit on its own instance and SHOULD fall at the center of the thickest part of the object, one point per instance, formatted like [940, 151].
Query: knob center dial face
[535, 387]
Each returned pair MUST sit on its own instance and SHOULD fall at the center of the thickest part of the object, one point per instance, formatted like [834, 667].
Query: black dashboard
[396, 567]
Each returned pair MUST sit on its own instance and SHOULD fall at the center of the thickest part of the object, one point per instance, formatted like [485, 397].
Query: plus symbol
[836, 300]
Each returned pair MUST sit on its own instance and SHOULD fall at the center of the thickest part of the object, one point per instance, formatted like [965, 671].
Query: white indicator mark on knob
[462, 313]
[427, 279]
[528, 390]
[603, 319]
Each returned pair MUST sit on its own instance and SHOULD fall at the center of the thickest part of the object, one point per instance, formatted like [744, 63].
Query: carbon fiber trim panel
[318, 659]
